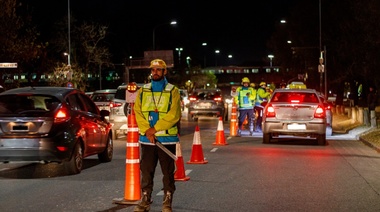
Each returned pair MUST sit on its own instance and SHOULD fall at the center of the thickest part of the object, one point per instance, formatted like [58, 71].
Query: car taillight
[61, 115]
[319, 112]
[270, 111]
[218, 99]
[115, 104]
[192, 98]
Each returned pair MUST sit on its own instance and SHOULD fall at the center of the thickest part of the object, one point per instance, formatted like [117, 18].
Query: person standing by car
[158, 110]
[263, 95]
[245, 100]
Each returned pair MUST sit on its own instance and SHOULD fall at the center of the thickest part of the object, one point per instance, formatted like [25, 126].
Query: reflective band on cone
[197, 152]
[132, 188]
[233, 123]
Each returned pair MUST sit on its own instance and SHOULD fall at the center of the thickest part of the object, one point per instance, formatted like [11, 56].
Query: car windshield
[33, 105]
[207, 95]
[102, 97]
[294, 97]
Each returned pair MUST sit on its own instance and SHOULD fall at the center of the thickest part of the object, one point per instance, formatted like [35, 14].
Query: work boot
[239, 132]
[167, 203]
[144, 204]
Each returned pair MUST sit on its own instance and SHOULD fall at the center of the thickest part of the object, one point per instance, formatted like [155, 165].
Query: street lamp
[154, 31]
[216, 57]
[68, 32]
[179, 54]
[270, 59]
[204, 54]
[68, 58]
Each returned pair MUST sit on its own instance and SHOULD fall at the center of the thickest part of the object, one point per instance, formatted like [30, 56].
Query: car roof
[307, 90]
[57, 92]
[105, 91]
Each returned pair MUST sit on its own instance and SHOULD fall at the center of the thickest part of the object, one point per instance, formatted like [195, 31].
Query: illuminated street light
[179, 54]
[216, 57]
[270, 59]
[204, 54]
[154, 31]
[68, 58]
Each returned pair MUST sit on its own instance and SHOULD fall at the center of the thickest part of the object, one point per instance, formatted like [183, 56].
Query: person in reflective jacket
[158, 110]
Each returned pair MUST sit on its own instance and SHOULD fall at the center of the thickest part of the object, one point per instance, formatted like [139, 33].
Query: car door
[102, 125]
[85, 124]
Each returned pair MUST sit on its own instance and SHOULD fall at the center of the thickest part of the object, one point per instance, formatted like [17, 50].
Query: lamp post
[179, 54]
[154, 32]
[204, 54]
[68, 58]
[216, 57]
[270, 59]
[68, 33]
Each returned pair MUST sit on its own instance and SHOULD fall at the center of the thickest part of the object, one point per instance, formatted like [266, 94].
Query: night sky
[236, 28]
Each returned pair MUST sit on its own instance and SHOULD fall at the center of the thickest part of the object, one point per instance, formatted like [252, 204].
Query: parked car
[295, 112]
[103, 98]
[53, 124]
[206, 102]
[119, 110]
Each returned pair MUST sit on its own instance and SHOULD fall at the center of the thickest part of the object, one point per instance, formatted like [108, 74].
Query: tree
[19, 38]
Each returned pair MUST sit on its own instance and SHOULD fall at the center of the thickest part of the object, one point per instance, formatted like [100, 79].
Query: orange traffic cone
[180, 172]
[197, 152]
[220, 139]
[233, 123]
[132, 190]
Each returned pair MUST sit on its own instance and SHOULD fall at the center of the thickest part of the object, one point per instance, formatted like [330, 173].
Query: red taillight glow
[218, 99]
[62, 148]
[115, 104]
[62, 115]
[295, 101]
[319, 112]
[270, 111]
[192, 98]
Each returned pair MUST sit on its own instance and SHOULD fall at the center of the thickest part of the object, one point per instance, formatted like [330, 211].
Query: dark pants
[259, 110]
[150, 155]
[243, 113]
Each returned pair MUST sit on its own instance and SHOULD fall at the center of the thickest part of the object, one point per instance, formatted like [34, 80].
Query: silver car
[103, 98]
[119, 111]
[206, 102]
[296, 113]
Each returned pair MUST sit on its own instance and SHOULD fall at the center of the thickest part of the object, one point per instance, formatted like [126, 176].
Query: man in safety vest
[263, 95]
[158, 110]
[245, 100]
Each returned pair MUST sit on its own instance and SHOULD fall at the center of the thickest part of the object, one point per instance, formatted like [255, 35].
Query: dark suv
[206, 102]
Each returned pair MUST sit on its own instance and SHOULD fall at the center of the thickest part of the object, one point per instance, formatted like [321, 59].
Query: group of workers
[249, 101]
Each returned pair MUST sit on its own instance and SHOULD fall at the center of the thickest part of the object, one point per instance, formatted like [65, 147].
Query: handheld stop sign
[131, 92]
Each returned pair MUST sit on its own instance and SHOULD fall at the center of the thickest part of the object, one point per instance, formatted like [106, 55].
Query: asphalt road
[243, 175]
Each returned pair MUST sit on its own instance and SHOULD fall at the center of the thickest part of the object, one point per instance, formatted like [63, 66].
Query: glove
[150, 134]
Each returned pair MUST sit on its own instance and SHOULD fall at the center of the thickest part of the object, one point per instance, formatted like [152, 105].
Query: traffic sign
[8, 65]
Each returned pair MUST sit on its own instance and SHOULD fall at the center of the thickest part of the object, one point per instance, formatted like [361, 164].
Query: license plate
[204, 105]
[296, 127]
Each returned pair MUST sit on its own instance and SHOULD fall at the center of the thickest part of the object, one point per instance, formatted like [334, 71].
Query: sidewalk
[370, 136]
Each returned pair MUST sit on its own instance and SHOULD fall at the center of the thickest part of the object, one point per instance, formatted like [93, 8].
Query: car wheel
[266, 138]
[106, 155]
[321, 139]
[75, 164]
